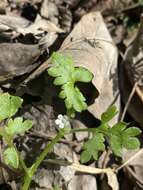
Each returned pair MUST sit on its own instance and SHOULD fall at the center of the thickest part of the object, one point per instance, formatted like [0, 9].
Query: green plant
[9, 106]
[118, 136]
[67, 75]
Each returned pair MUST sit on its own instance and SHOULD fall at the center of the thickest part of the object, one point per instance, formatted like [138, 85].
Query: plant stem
[83, 130]
[23, 164]
[27, 182]
[34, 167]
[93, 130]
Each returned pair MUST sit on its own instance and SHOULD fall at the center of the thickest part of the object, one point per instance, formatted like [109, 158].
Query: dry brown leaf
[17, 59]
[39, 27]
[91, 46]
[12, 22]
[49, 9]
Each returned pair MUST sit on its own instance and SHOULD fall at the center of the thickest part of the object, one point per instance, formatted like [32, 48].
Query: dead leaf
[48, 40]
[17, 59]
[12, 22]
[49, 10]
[39, 27]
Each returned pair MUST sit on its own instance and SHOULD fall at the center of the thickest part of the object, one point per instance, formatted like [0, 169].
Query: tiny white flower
[60, 116]
[62, 121]
[61, 125]
[57, 121]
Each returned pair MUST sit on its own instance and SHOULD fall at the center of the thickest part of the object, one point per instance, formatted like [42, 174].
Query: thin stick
[81, 168]
[89, 170]
[129, 100]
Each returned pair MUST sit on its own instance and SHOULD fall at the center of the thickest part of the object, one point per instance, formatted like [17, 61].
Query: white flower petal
[60, 116]
[57, 121]
[61, 126]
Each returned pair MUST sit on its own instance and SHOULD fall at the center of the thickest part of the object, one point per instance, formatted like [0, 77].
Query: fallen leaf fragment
[112, 180]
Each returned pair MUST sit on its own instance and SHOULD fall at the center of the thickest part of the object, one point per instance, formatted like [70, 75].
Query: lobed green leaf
[85, 156]
[9, 105]
[120, 138]
[81, 74]
[11, 157]
[92, 147]
[131, 143]
[17, 126]
[132, 131]
[66, 75]
[109, 114]
[116, 145]
[118, 128]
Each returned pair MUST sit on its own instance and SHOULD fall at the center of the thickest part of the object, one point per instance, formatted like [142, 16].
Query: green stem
[34, 167]
[27, 182]
[93, 130]
[83, 130]
[23, 164]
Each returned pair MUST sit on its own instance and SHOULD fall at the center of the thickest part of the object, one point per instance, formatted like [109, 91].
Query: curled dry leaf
[90, 49]
[23, 26]
[39, 27]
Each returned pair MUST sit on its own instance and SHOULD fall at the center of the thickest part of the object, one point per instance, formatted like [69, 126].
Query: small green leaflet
[118, 137]
[17, 126]
[9, 105]
[109, 114]
[92, 147]
[73, 97]
[11, 157]
[67, 75]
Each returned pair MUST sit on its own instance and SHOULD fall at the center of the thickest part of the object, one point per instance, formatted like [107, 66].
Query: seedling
[66, 75]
